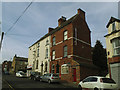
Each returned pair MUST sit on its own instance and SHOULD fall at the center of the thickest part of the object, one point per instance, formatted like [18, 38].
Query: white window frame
[116, 46]
[65, 35]
[113, 26]
[53, 55]
[65, 51]
[54, 42]
[64, 69]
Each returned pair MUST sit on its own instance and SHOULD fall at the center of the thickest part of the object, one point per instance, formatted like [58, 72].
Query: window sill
[65, 40]
[53, 60]
[65, 57]
[116, 56]
[46, 57]
[46, 44]
[53, 45]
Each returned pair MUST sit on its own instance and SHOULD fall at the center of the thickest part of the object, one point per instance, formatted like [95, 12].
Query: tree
[99, 56]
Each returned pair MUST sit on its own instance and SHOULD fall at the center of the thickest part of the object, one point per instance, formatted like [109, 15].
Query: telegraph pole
[1, 40]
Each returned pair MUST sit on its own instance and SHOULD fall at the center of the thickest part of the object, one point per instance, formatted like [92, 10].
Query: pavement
[0, 76]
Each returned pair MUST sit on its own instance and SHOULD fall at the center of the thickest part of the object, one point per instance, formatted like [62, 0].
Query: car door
[93, 82]
[46, 77]
[43, 77]
[85, 83]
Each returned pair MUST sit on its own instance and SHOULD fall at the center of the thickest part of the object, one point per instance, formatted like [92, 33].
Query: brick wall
[87, 71]
[80, 52]
[59, 37]
[114, 59]
[83, 33]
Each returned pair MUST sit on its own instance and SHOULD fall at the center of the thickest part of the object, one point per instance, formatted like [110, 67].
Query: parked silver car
[50, 77]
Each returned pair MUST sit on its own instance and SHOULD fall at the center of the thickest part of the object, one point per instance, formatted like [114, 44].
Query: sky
[41, 15]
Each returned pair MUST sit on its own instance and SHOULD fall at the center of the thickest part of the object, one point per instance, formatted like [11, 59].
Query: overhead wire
[18, 18]
[6, 33]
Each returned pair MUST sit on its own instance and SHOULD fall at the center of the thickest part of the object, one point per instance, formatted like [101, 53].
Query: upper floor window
[38, 45]
[47, 42]
[116, 46]
[37, 64]
[38, 52]
[38, 49]
[65, 35]
[54, 41]
[53, 55]
[65, 51]
[46, 54]
[113, 26]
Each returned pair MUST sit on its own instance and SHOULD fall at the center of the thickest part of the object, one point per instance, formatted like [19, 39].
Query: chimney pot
[61, 20]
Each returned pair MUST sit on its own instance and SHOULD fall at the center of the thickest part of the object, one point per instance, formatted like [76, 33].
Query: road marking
[9, 84]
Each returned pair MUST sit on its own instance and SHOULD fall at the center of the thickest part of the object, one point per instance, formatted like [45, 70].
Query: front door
[74, 74]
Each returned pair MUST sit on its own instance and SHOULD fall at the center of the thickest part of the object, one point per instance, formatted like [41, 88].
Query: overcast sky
[40, 16]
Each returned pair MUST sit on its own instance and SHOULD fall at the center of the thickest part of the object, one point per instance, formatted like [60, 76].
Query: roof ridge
[57, 28]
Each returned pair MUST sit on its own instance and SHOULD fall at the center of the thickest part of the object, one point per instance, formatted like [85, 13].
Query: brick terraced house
[19, 64]
[71, 49]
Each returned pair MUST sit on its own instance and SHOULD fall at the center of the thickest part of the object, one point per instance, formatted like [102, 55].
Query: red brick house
[6, 66]
[71, 48]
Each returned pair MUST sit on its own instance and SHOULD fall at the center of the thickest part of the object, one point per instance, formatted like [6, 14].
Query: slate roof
[112, 19]
[21, 58]
[57, 28]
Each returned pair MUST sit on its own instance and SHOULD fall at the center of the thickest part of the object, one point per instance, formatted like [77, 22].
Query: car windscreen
[108, 80]
[37, 73]
[22, 73]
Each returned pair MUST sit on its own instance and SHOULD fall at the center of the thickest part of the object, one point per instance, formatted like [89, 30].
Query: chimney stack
[50, 29]
[81, 12]
[61, 20]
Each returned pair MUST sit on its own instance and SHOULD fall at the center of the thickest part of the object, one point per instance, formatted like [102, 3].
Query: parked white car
[20, 74]
[97, 83]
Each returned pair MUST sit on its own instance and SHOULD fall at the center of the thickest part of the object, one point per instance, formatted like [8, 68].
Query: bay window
[116, 46]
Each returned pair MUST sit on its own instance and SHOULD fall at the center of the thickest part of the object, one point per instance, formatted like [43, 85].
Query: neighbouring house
[19, 64]
[39, 55]
[113, 48]
[71, 49]
[6, 66]
[65, 50]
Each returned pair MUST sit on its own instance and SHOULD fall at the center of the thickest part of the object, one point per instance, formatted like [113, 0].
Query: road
[13, 82]
[0, 76]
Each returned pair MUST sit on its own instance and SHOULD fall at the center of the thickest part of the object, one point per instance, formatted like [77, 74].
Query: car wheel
[34, 79]
[79, 86]
[49, 81]
[40, 80]
[96, 89]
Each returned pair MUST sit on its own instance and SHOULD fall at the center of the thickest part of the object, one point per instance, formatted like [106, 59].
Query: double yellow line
[9, 85]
